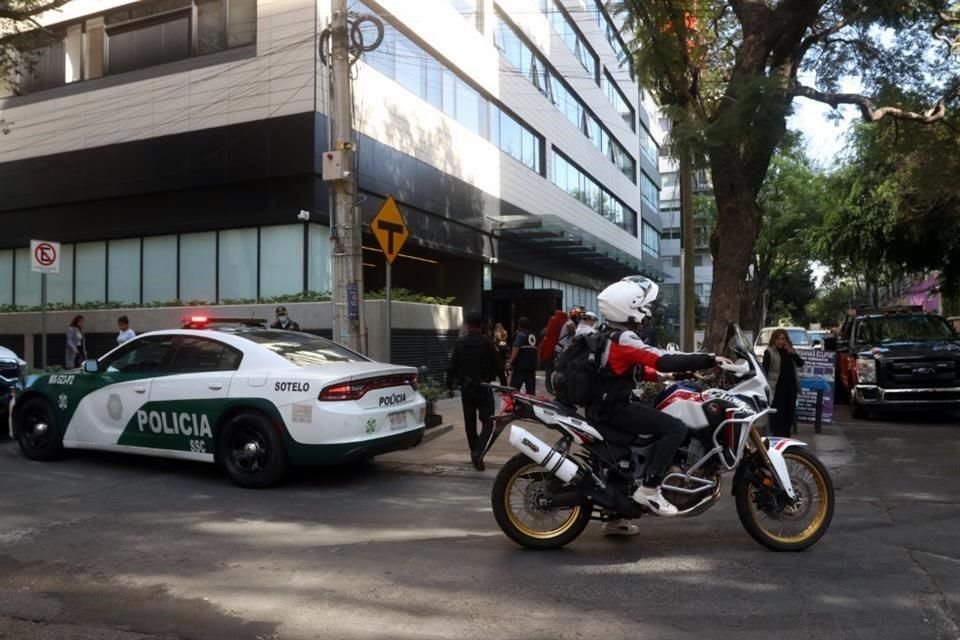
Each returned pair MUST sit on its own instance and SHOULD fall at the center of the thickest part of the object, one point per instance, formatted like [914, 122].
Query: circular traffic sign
[45, 254]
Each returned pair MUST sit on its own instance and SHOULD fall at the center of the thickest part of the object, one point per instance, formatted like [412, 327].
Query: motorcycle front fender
[775, 448]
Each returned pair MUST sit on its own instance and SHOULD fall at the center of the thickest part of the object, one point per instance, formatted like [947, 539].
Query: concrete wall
[310, 315]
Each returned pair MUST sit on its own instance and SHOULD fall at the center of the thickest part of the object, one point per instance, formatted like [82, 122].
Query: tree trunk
[734, 237]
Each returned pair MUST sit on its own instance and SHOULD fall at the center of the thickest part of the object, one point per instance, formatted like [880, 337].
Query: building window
[651, 239]
[650, 192]
[571, 36]
[124, 271]
[648, 145]
[620, 102]
[419, 72]
[237, 258]
[318, 272]
[472, 10]
[6, 276]
[281, 260]
[612, 33]
[578, 184]
[159, 269]
[543, 76]
[198, 267]
[91, 272]
[139, 36]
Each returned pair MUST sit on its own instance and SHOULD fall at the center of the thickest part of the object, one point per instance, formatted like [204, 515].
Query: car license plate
[398, 420]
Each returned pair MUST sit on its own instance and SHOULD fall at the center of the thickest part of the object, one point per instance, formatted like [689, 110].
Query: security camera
[303, 216]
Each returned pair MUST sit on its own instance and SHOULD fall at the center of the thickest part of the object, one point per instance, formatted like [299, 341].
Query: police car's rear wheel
[251, 452]
[37, 430]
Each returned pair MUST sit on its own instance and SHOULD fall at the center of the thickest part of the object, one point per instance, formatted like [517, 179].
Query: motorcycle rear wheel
[810, 517]
[519, 485]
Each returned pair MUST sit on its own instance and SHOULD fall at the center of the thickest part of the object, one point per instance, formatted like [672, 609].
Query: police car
[251, 399]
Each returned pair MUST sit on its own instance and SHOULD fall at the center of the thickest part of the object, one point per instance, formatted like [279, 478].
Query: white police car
[252, 400]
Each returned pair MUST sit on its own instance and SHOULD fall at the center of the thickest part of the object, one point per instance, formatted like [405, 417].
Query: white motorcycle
[544, 497]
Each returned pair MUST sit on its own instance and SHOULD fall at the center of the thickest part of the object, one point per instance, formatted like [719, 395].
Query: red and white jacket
[626, 351]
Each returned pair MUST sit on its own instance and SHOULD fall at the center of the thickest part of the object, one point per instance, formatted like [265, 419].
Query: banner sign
[816, 375]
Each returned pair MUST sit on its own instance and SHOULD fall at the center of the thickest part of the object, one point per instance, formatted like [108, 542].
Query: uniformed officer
[283, 321]
[475, 360]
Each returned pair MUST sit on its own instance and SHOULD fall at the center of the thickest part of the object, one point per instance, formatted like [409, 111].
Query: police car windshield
[302, 349]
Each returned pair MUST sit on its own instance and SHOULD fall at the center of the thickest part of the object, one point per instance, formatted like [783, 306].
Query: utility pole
[687, 250]
[347, 228]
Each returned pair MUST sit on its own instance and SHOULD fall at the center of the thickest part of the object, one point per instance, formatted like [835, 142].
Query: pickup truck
[898, 357]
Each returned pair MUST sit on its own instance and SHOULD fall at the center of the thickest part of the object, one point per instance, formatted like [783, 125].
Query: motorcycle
[544, 497]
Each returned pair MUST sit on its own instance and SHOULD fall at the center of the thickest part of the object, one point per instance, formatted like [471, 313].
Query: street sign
[390, 229]
[45, 256]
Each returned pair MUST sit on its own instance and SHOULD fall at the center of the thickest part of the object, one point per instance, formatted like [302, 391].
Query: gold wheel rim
[510, 503]
[822, 496]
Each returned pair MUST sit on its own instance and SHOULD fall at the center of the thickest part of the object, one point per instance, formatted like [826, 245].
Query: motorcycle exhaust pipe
[556, 462]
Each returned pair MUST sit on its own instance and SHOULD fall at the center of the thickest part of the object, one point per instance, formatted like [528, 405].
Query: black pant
[785, 402]
[524, 377]
[638, 418]
[477, 401]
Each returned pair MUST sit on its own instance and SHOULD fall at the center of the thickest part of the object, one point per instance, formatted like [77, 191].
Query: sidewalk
[447, 453]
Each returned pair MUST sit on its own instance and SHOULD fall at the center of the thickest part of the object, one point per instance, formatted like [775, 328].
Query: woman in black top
[780, 362]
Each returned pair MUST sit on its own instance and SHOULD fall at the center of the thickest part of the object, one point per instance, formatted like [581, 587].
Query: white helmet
[628, 300]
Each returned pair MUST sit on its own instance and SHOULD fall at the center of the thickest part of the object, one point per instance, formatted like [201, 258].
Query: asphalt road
[107, 547]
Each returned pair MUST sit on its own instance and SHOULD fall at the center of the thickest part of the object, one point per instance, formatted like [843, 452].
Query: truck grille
[922, 373]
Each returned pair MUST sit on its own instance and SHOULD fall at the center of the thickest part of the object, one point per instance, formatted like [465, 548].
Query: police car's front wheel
[251, 451]
[37, 430]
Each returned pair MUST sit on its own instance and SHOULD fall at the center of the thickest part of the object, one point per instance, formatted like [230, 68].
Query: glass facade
[619, 101]
[572, 294]
[566, 27]
[650, 238]
[213, 266]
[648, 145]
[472, 10]
[138, 36]
[606, 25]
[418, 71]
[539, 72]
[578, 184]
[650, 191]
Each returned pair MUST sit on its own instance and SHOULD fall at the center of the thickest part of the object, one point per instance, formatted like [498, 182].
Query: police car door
[111, 398]
[184, 408]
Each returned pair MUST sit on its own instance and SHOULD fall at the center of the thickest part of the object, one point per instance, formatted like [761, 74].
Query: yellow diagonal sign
[390, 229]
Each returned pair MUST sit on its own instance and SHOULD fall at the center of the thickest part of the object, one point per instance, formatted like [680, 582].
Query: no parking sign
[45, 256]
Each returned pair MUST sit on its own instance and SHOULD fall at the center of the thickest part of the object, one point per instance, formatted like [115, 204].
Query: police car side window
[146, 355]
[200, 354]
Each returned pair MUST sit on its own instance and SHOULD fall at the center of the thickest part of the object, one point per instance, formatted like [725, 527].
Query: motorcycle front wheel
[795, 527]
[518, 498]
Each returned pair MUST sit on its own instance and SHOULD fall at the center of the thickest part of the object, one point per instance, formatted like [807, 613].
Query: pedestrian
[780, 362]
[126, 333]
[283, 320]
[76, 351]
[475, 360]
[523, 358]
[588, 323]
[501, 339]
[564, 335]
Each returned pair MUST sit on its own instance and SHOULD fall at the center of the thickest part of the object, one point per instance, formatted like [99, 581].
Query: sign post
[391, 232]
[45, 259]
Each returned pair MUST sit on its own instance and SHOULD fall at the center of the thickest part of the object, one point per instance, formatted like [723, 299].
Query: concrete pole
[348, 322]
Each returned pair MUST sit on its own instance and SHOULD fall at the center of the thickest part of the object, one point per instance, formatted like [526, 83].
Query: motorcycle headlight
[867, 370]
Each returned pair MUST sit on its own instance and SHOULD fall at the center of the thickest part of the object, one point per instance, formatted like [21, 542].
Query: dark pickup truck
[899, 357]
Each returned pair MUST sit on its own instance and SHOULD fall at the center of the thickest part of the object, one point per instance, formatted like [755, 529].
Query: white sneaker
[652, 497]
[620, 527]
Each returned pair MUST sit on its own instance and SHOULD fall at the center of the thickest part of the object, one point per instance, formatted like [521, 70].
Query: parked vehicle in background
[816, 338]
[955, 323]
[12, 368]
[798, 336]
[897, 357]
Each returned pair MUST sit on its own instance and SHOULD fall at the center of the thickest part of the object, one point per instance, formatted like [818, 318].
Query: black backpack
[576, 375]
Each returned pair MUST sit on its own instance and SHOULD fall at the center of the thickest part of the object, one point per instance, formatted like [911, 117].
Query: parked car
[12, 369]
[798, 336]
[252, 400]
[817, 337]
[897, 357]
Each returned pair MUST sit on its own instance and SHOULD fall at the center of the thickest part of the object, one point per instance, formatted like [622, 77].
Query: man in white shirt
[126, 333]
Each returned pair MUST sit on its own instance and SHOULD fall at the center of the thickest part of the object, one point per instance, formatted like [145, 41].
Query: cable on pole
[357, 38]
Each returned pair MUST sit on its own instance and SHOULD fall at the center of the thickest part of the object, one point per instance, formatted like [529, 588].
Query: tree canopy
[20, 33]
[729, 71]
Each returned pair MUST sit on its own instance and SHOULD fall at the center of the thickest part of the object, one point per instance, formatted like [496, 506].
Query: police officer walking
[475, 360]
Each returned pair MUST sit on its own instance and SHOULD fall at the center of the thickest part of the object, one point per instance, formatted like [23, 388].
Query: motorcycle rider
[624, 304]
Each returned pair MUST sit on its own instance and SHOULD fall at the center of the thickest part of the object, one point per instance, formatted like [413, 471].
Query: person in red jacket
[623, 305]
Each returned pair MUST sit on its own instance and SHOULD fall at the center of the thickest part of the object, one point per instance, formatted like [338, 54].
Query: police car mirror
[91, 366]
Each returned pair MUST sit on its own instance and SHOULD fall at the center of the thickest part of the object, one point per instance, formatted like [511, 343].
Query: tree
[21, 34]
[728, 71]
